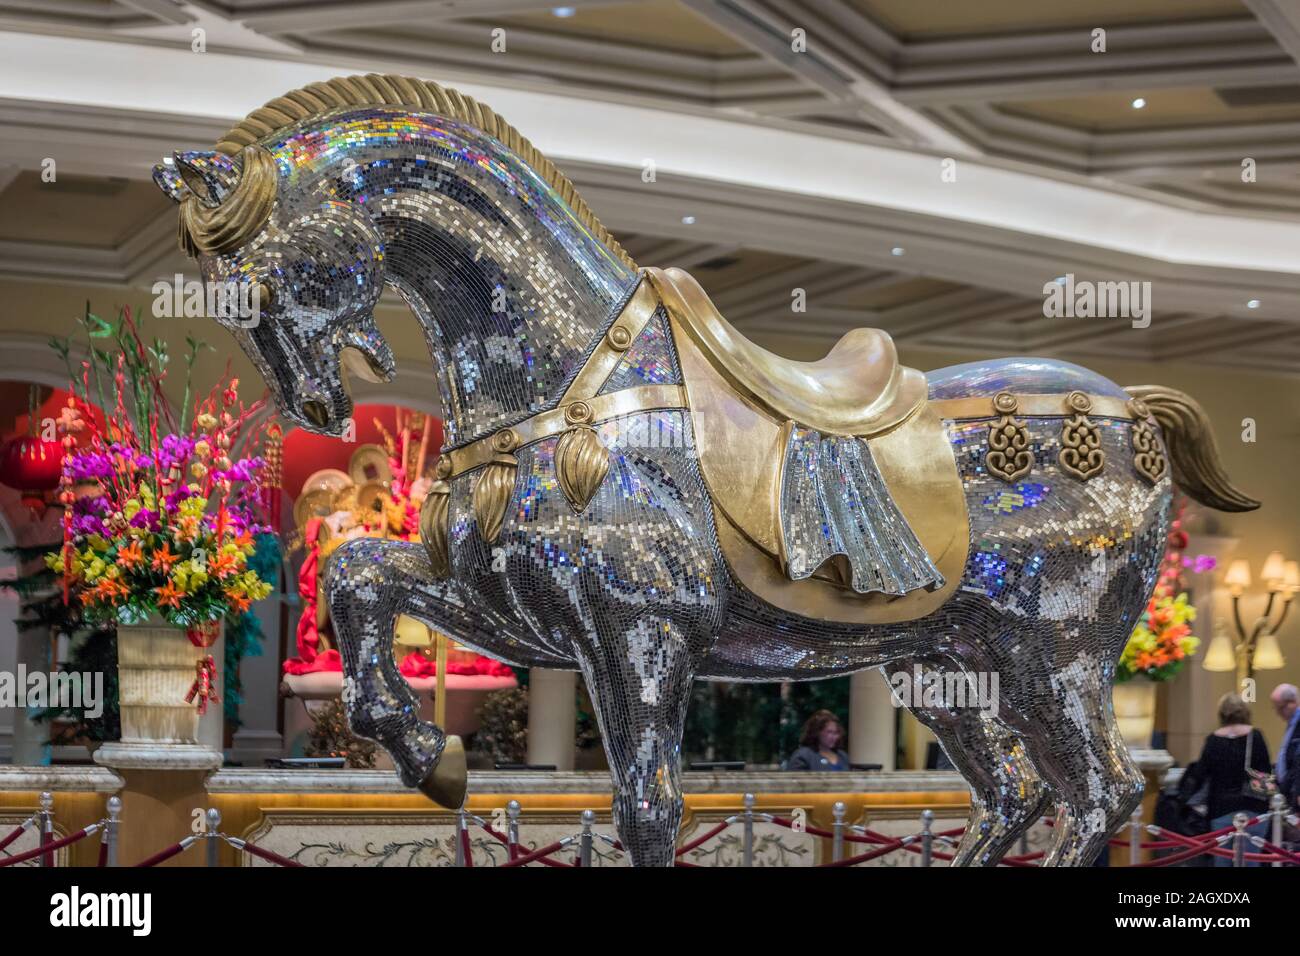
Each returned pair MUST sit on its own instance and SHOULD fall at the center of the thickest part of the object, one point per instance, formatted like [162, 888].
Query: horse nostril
[316, 413]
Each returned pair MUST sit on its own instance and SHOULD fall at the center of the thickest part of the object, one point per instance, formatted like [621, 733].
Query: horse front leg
[369, 582]
[639, 680]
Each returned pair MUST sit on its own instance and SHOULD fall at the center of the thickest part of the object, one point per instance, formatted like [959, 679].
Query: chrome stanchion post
[512, 831]
[927, 837]
[1135, 836]
[110, 828]
[837, 842]
[584, 841]
[47, 825]
[748, 839]
[460, 837]
[213, 835]
[1277, 813]
[1239, 839]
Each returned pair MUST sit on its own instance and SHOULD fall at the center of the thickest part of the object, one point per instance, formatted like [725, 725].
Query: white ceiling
[827, 159]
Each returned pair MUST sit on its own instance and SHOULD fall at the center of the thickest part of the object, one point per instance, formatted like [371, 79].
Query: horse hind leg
[1075, 745]
[1007, 794]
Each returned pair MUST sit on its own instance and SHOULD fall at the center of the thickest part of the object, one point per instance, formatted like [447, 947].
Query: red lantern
[32, 466]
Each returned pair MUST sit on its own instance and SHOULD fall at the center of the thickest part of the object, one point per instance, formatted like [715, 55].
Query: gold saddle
[745, 402]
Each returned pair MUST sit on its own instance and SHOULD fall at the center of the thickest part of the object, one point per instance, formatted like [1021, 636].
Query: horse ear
[170, 182]
[209, 175]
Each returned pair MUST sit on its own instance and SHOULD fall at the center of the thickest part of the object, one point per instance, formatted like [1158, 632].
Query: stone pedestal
[163, 786]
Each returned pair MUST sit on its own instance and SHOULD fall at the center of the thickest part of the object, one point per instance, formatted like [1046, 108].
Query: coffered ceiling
[1017, 85]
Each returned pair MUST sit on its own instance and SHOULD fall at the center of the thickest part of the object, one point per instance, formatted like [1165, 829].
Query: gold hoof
[448, 781]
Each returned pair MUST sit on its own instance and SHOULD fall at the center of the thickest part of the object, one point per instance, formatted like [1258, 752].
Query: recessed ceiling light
[1139, 103]
[563, 11]
[688, 220]
[897, 251]
[1253, 304]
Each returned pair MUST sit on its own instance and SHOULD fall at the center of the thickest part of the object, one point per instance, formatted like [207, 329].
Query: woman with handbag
[1234, 762]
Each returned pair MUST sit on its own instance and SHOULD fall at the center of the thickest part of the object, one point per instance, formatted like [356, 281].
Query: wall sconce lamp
[1256, 648]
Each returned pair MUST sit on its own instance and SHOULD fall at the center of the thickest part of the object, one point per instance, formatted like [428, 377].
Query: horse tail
[1192, 451]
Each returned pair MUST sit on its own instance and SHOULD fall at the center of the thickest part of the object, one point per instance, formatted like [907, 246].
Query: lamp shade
[1274, 569]
[1268, 655]
[1291, 576]
[1238, 576]
[1220, 656]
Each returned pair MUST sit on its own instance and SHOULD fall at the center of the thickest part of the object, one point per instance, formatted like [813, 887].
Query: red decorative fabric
[309, 660]
[416, 664]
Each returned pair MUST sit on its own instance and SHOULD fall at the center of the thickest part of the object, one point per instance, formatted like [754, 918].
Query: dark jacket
[805, 758]
[1290, 786]
[1222, 765]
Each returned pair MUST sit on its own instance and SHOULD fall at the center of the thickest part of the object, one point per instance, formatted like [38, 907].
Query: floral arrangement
[1163, 639]
[160, 513]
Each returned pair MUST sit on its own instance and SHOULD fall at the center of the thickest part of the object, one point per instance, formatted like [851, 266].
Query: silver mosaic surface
[511, 294]
[834, 503]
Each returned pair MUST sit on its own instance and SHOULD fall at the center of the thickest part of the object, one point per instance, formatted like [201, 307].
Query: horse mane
[376, 89]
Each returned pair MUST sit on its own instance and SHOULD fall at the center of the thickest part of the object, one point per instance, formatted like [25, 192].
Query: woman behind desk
[819, 745]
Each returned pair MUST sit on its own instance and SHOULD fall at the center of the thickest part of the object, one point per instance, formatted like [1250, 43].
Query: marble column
[871, 720]
[257, 737]
[30, 738]
[552, 716]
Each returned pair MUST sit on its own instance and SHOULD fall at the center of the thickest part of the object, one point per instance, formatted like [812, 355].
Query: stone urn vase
[157, 665]
[1135, 711]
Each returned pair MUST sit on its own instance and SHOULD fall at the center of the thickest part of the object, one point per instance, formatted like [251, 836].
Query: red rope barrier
[267, 855]
[504, 840]
[520, 860]
[1286, 855]
[49, 847]
[862, 857]
[166, 854]
[700, 840]
[103, 851]
[14, 836]
[1189, 854]
[465, 851]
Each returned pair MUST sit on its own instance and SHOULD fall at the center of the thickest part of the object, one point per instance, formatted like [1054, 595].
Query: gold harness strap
[580, 405]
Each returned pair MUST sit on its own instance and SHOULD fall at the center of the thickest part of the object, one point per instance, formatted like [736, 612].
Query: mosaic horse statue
[632, 489]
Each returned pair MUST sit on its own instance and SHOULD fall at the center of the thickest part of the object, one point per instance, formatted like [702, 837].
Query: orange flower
[169, 595]
[223, 566]
[109, 591]
[163, 559]
[130, 556]
[240, 602]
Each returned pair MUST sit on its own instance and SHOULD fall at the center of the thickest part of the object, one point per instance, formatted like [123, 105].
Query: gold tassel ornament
[581, 459]
[434, 519]
[496, 486]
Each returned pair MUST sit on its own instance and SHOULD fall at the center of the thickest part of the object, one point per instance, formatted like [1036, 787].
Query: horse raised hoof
[448, 781]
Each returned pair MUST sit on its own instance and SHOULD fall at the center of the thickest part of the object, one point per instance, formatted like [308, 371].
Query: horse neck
[505, 344]
[508, 287]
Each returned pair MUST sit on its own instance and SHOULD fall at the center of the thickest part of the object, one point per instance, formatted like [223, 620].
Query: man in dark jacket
[1286, 701]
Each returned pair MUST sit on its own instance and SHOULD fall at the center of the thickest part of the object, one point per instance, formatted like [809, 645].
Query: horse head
[327, 193]
[316, 267]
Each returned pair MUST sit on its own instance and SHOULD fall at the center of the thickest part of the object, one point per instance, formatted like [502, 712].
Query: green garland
[244, 631]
